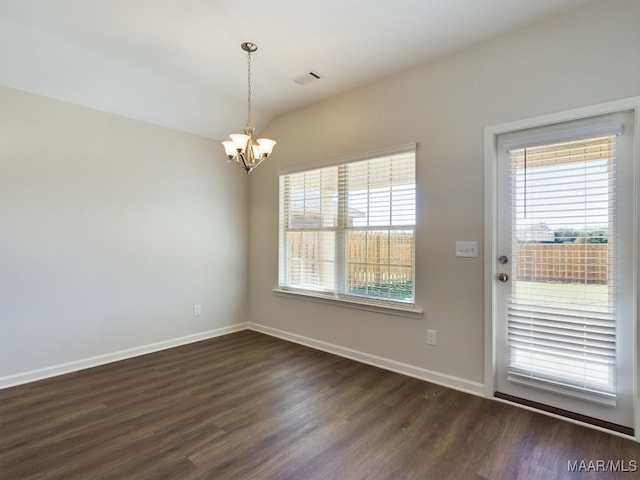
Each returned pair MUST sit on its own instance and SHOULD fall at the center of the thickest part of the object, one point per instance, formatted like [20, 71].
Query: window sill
[408, 310]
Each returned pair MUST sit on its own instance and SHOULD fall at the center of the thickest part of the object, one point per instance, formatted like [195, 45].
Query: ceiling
[194, 46]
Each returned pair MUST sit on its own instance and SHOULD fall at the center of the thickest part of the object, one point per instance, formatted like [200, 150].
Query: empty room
[319, 240]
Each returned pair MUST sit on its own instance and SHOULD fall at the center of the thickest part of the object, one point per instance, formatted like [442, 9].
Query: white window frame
[337, 298]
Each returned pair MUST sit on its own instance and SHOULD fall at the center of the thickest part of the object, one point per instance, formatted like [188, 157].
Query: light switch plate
[466, 248]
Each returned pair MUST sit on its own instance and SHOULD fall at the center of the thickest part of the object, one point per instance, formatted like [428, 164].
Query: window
[347, 230]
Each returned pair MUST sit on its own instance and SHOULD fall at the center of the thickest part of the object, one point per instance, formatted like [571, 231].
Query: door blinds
[561, 311]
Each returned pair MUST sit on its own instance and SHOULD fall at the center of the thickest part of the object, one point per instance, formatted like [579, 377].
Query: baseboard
[456, 383]
[55, 370]
[391, 365]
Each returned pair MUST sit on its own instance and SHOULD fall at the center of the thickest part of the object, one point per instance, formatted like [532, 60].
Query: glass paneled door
[564, 286]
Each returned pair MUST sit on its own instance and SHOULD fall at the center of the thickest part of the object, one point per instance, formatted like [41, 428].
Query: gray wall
[110, 231]
[582, 58]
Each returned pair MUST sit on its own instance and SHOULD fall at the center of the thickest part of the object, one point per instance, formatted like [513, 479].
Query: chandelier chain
[249, 88]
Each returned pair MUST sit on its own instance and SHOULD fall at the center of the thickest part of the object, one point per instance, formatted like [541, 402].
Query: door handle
[503, 277]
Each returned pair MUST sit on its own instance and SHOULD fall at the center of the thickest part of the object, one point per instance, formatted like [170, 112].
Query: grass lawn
[567, 294]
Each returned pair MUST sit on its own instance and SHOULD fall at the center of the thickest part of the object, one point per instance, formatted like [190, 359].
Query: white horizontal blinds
[378, 218]
[561, 312]
[348, 229]
[308, 220]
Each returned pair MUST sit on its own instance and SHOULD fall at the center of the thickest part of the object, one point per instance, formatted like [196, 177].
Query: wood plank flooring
[249, 406]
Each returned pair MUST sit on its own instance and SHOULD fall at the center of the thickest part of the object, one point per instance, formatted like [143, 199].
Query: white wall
[42, 63]
[110, 231]
[585, 57]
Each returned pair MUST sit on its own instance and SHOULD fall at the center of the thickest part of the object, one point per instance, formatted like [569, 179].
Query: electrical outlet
[197, 310]
[432, 337]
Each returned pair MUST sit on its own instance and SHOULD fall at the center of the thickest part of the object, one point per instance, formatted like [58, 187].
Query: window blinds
[308, 225]
[561, 311]
[348, 229]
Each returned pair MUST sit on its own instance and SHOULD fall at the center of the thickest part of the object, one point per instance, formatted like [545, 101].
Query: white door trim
[490, 220]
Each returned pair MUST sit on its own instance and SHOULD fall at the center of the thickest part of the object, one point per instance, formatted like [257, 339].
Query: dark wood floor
[248, 406]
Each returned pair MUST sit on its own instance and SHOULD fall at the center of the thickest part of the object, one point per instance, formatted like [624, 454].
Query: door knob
[503, 277]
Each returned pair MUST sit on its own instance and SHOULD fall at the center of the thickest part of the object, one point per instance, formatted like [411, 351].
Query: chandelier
[243, 148]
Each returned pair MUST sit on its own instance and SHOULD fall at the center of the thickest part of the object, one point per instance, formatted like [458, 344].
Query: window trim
[405, 309]
[407, 147]
[409, 310]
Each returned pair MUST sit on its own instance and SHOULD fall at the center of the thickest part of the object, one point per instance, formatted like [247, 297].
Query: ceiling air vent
[307, 77]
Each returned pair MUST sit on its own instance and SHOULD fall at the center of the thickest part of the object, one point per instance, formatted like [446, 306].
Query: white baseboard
[456, 383]
[55, 370]
[387, 364]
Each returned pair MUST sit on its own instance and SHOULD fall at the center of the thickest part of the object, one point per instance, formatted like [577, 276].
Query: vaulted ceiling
[178, 62]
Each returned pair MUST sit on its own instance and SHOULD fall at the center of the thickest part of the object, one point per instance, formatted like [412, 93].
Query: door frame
[491, 135]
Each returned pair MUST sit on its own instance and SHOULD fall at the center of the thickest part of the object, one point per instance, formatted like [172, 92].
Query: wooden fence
[377, 258]
[373, 258]
[563, 262]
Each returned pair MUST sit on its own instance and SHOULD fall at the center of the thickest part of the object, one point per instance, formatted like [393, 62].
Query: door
[564, 282]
